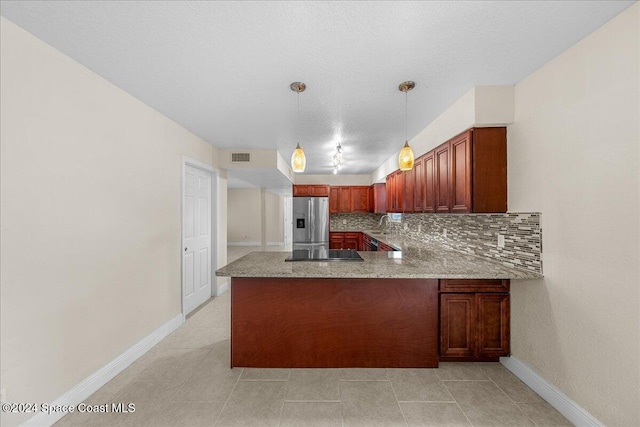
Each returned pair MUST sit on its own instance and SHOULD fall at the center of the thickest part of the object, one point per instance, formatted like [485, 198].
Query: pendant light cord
[406, 116]
[298, 117]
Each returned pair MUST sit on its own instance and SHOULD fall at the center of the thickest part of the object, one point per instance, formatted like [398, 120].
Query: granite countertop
[420, 260]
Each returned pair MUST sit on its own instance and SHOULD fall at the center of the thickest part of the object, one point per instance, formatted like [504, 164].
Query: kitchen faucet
[382, 218]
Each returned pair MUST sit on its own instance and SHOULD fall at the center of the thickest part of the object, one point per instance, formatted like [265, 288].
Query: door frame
[215, 181]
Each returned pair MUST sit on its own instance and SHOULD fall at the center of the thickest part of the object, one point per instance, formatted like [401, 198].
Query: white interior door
[196, 232]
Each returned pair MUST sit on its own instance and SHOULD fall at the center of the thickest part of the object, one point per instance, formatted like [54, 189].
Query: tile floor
[186, 381]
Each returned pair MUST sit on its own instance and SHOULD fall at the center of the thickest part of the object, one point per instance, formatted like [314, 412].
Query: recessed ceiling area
[222, 69]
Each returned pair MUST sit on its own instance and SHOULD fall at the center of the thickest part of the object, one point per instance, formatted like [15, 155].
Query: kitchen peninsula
[383, 312]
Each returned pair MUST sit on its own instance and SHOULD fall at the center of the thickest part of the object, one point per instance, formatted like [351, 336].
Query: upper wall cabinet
[349, 199]
[378, 198]
[311, 191]
[467, 174]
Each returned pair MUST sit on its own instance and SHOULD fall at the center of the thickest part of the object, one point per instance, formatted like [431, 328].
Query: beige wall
[574, 156]
[337, 179]
[245, 216]
[91, 212]
[243, 213]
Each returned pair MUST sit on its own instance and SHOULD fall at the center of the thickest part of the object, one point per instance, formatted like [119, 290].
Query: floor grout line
[228, 398]
[398, 402]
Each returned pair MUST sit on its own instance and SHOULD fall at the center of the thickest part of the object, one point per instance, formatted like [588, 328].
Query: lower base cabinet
[474, 323]
[345, 240]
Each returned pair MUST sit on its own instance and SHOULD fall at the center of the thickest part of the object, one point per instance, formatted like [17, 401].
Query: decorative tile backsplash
[475, 234]
[352, 222]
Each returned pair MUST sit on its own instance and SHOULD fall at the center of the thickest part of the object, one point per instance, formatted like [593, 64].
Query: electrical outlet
[444, 233]
[405, 226]
[344, 222]
[500, 241]
[419, 228]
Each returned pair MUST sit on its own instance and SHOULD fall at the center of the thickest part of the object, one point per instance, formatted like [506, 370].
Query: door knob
[185, 249]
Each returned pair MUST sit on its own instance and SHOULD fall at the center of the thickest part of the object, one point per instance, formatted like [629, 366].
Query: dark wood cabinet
[336, 240]
[399, 202]
[359, 199]
[353, 241]
[310, 191]
[419, 185]
[409, 188]
[349, 199]
[493, 333]
[391, 192]
[474, 320]
[441, 157]
[378, 198]
[457, 325]
[489, 170]
[346, 240]
[467, 174]
[344, 199]
[460, 177]
[383, 247]
[334, 196]
[429, 200]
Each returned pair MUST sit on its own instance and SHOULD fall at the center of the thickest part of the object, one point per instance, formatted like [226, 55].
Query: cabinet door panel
[418, 178]
[319, 190]
[460, 188]
[359, 199]
[442, 178]
[399, 203]
[409, 188]
[390, 192]
[344, 199]
[493, 324]
[378, 198]
[428, 164]
[457, 325]
[333, 200]
[336, 240]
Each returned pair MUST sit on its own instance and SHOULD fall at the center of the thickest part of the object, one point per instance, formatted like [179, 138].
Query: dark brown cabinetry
[419, 185]
[441, 175]
[408, 183]
[467, 174]
[349, 199]
[429, 199]
[334, 196]
[345, 240]
[311, 190]
[378, 198]
[474, 320]
[359, 199]
[460, 176]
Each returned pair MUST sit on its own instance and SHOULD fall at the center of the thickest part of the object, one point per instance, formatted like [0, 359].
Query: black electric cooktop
[330, 255]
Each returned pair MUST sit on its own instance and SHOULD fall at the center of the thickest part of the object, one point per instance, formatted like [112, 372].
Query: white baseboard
[93, 382]
[254, 244]
[552, 394]
[222, 288]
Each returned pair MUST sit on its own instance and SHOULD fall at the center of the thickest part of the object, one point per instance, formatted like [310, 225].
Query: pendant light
[337, 158]
[298, 159]
[405, 159]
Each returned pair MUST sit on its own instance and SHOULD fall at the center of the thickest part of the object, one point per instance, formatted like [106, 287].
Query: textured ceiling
[223, 69]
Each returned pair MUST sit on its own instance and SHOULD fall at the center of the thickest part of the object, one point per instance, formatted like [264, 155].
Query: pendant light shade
[298, 159]
[405, 159]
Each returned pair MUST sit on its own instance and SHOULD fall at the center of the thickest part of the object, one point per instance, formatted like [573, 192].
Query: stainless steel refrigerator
[311, 225]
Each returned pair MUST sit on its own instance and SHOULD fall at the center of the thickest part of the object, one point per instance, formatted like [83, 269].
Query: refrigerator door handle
[310, 216]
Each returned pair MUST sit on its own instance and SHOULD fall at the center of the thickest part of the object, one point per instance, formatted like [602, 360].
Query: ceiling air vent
[240, 157]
